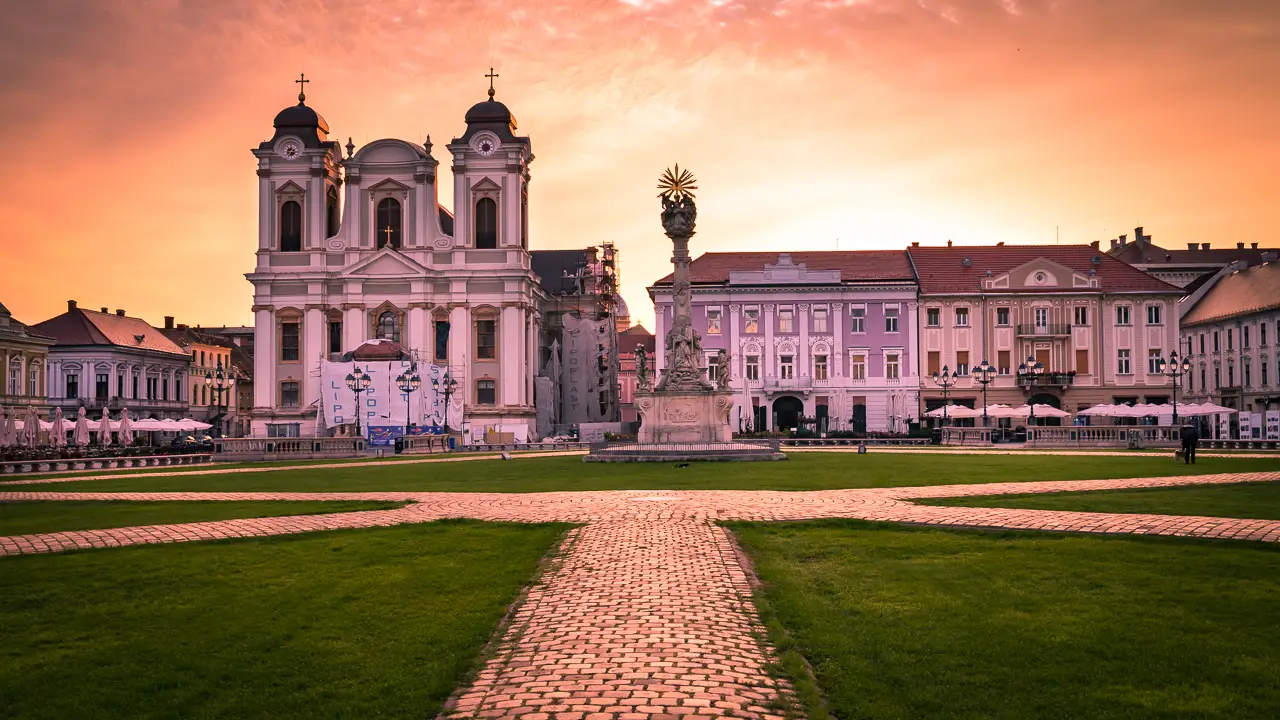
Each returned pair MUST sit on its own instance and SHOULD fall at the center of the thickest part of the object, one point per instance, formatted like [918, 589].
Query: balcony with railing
[1049, 379]
[1043, 330]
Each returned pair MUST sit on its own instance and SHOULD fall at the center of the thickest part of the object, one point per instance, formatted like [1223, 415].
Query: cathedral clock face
[290, 149]
[486, 146]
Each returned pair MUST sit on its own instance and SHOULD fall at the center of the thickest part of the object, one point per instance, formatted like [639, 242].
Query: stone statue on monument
[642, 368]
[722, 370]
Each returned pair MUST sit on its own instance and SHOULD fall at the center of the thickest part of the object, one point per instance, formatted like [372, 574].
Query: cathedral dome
[300, 116]
[490, 111]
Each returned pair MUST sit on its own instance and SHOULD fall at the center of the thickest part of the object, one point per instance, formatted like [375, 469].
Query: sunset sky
[128, 124]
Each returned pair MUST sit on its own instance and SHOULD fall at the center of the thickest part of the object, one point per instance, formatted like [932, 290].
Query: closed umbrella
[104, 429]
[81, 435]
[31, 428]
[126, 428]
[58, 433]
[6, 428]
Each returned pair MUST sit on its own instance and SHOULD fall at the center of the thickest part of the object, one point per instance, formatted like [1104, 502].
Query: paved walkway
[645, 614]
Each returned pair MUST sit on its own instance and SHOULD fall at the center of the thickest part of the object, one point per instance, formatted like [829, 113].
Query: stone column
[805, 368]
[511, 356]
[416, 335]
[766, 362]
[659, 332]
[460, 349]
[353, 325]
[264, 357]
[312, 346]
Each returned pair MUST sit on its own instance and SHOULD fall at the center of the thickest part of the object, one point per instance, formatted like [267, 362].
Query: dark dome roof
[489, 111]
[300, 116]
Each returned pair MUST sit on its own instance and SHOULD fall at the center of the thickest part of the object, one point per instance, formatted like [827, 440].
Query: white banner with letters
[1273, 424]
[383, 403]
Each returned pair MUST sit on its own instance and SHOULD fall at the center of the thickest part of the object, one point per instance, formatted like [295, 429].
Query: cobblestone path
[645, 614]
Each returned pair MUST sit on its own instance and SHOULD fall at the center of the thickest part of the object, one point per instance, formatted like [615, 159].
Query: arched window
[388, 219]
[291, 226]
[486, 223]
[331, 212]
[389, 326]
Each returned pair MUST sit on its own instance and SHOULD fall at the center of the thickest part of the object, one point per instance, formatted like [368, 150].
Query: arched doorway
[787, 412]
[1051, 401]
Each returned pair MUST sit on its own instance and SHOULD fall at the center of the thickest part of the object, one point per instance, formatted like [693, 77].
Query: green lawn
[914, 623]
[350, 624]
[804, 471]
[1245, 500]
[21, 518]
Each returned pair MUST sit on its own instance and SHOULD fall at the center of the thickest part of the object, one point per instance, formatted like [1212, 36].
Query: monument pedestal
[685, 416]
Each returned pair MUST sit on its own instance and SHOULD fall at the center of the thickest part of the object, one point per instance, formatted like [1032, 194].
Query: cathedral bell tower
[491, 179]
[298, 182]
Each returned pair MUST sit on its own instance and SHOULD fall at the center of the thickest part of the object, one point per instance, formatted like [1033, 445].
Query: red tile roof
[1256, 289]
[941, 270]
[635, 335]
[854, 265]
[87, 327]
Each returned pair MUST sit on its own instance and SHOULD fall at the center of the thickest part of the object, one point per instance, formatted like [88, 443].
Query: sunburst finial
[677, 184]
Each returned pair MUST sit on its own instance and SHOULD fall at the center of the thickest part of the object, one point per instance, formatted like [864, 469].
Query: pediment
[290, 187]
[389, 184]
[1040, 274]
[486, 184]
[384, 263]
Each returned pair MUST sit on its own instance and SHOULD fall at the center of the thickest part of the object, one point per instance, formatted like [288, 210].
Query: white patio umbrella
[188, 424]
[1105, 410]
[104, 429]
[1213, 409]
[126, 428]
[954, 411]
[81, 435]
[58, 433]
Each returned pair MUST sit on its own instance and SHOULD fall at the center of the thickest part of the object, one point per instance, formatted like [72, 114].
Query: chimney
[1253, 246]
[1239, 246]
[915, 244]
[1124, 240]
[1193, 246]
[182, 326]
[104, 311]
[119, 313]
[1114, 243]
[168, 322]
[1095, 244]
[71, 305]
[948, 243]
[1138, 237]
[1204, 246]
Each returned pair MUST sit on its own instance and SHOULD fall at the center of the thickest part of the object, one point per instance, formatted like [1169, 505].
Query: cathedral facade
[355, 246]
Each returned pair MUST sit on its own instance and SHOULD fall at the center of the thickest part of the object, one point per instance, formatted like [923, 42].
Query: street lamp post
[449, 386]
[1030, 371]
[357, 382]
[1175, 368]
[407, 384]
[984, 374]
[218, 383]
[945, 381]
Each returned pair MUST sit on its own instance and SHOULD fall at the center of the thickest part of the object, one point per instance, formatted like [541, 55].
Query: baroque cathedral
[355, 247]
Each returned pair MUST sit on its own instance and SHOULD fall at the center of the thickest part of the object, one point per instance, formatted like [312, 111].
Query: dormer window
[486, 224]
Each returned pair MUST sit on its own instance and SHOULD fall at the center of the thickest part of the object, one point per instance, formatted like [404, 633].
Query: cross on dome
[491, 76]
[302, 87]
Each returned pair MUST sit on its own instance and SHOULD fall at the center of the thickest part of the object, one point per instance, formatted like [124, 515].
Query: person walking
[1190, 439]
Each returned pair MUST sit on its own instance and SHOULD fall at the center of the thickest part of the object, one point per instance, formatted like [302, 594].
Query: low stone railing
[1127, 436]
[15, 467]
[249, 449]
[848, 442]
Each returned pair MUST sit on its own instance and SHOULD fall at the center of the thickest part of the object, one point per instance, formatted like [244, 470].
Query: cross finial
[491, 76]
[302, 87]
[388, 232]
